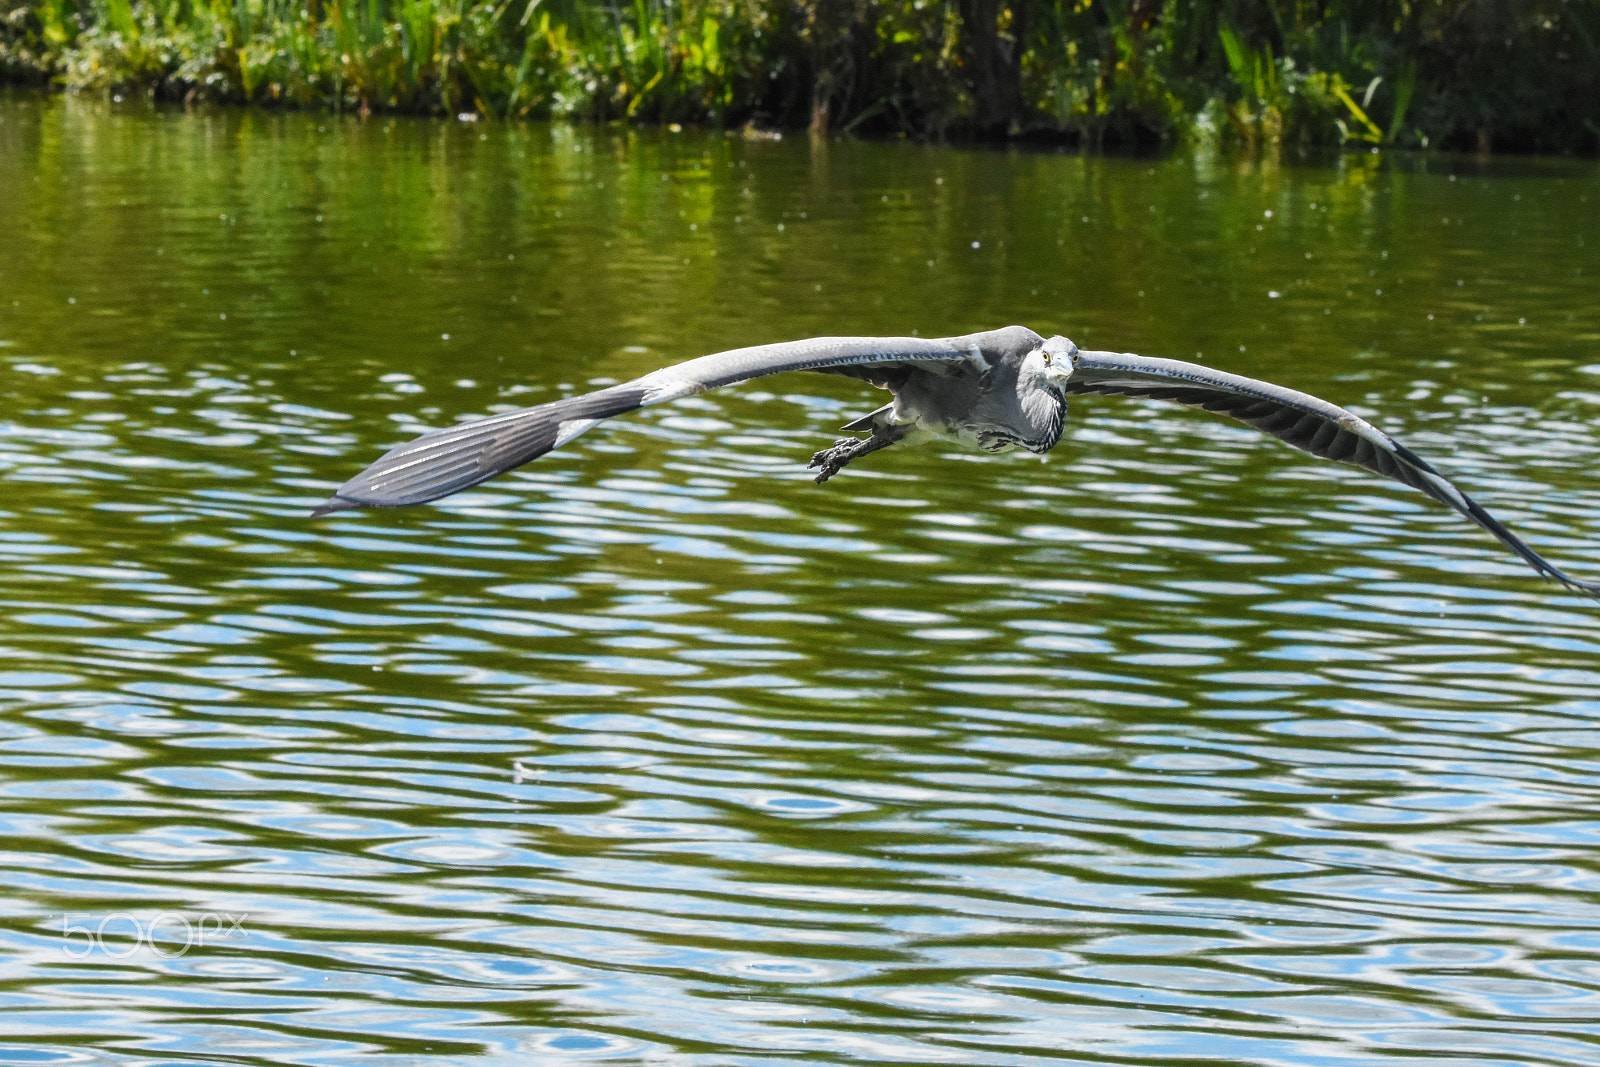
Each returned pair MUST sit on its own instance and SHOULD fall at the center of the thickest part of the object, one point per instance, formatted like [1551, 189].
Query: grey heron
[995, 391]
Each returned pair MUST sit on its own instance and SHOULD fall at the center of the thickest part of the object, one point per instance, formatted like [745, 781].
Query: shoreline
[1028, 73]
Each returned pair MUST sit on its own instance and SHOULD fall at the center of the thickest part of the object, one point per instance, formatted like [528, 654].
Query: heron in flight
[997, 390]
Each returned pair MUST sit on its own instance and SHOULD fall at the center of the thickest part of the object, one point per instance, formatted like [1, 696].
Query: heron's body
[994, 391]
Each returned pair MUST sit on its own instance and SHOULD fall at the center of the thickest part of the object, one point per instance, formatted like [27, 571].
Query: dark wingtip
[1477, 513]
[332, 504]
[1577, 585]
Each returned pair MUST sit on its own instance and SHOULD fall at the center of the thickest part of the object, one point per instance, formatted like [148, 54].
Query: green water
[1177, 746]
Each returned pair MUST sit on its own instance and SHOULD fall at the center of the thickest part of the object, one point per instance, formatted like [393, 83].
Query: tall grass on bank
[1482, 74]
[649, 59]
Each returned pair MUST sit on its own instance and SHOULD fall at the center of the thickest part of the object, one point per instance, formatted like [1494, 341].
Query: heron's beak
[1059, 356]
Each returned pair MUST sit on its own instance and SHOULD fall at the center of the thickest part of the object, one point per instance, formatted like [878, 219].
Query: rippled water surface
[1177, 747]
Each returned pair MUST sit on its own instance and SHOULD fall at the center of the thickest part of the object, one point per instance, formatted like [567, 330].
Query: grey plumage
[995, 390]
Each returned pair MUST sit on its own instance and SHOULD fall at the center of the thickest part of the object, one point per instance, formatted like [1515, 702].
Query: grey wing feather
[839, 355]
[869, 421]
[1301, 420]
[446, 461]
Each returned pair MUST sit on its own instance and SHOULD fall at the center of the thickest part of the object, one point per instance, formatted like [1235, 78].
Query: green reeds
[649, 60]
[1274, 73]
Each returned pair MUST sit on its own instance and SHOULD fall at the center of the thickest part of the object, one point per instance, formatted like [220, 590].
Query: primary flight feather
[995, 391]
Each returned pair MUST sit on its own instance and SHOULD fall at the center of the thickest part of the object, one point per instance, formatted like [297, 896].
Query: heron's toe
[829, 461]
[831, 456]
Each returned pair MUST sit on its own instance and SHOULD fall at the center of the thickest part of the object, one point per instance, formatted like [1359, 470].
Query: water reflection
[1178, 744]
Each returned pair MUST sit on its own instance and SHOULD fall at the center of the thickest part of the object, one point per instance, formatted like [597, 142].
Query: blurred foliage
[1475, 74]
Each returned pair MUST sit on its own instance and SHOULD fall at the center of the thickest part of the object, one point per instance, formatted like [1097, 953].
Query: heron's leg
[831, 461]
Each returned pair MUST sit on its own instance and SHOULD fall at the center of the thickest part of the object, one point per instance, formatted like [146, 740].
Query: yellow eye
[1046, 356]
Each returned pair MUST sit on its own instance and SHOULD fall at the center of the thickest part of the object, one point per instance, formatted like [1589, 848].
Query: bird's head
[1055, 360]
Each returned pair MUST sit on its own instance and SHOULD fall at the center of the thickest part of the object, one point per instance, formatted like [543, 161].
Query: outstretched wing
[446, 461]
[1302, 420]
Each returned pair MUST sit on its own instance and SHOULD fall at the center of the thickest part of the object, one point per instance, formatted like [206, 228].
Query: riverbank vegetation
[1486, 75]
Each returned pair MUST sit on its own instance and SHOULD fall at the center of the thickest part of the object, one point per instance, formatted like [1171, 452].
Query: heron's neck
[1058, 415]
